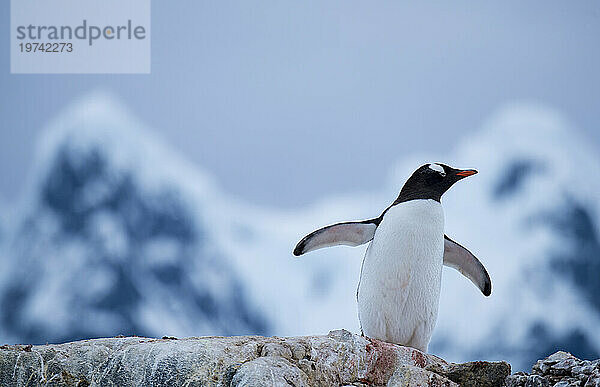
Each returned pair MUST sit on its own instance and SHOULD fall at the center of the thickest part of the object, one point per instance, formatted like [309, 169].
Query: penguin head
[430, 181]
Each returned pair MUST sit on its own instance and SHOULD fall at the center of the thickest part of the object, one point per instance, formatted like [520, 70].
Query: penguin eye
[438, 168]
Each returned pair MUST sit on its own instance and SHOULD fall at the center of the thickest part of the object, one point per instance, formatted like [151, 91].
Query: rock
[339, 358]
[516, 380]
[526, 381]
[559, 370]
[415, 376]
[269, 371]
[536, 381]
[478, 373]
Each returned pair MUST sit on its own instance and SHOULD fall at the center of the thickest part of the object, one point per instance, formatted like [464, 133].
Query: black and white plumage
[400, 281]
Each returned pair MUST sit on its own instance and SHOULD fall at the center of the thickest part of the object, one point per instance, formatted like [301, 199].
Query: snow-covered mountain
[118, 235]
[108, 244]
[532, 216]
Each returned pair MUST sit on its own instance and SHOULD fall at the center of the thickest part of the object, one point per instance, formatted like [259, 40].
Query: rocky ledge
[337, 359]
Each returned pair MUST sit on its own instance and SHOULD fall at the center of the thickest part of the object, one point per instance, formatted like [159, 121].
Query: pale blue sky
[284, 102]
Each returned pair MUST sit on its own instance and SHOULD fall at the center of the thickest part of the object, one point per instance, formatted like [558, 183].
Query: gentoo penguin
[399, 288]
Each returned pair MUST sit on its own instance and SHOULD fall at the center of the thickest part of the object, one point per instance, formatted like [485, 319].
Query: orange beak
[466, 172]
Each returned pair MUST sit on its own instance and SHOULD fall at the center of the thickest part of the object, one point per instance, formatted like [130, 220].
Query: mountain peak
[101, 123]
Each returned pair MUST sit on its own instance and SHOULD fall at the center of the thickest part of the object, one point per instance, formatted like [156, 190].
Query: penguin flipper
[346, 233]
[461, 259]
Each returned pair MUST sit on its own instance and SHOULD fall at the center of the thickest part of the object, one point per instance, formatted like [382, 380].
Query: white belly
[399, 289]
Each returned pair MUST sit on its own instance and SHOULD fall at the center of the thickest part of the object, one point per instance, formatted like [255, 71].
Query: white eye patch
[438, 168]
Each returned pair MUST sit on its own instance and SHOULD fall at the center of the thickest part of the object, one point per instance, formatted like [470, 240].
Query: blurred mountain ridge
[102, 252]
[118, 235]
